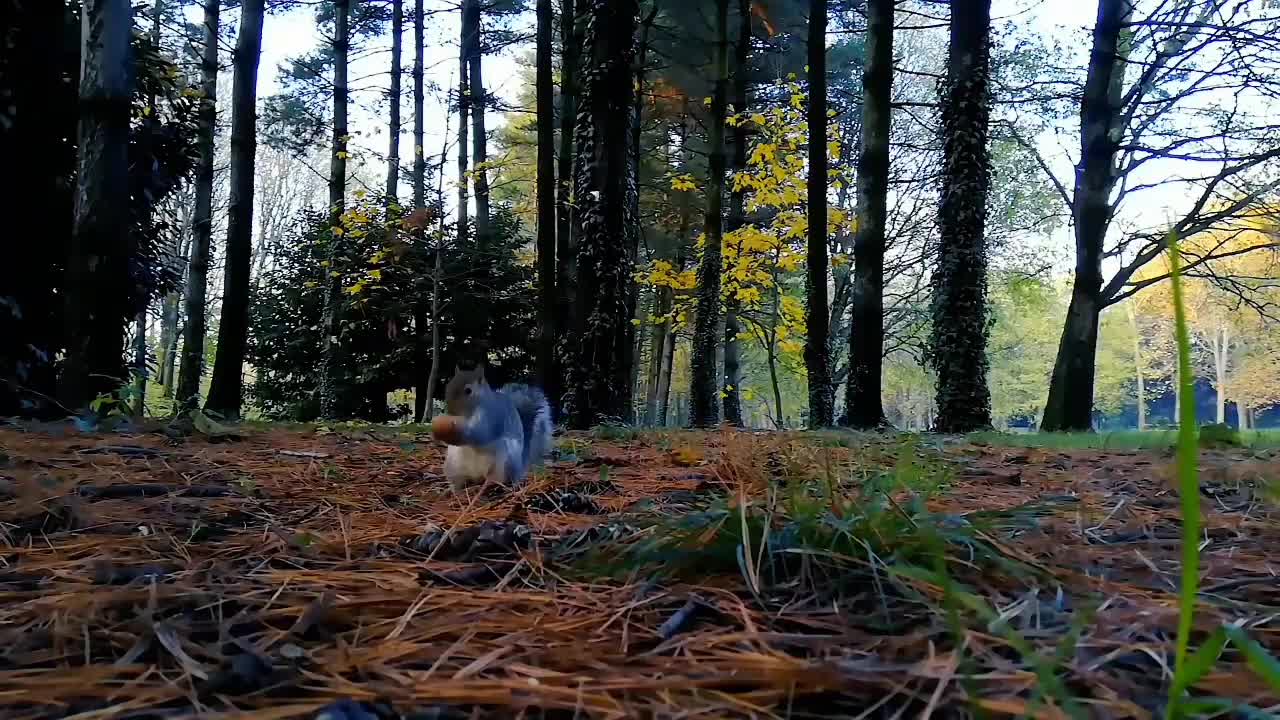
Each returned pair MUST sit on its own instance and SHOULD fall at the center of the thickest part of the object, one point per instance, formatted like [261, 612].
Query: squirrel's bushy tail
[535, 418]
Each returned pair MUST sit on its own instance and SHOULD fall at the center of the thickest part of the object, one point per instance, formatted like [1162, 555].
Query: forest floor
[291, 571]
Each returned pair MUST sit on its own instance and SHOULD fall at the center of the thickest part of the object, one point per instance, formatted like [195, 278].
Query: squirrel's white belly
[464, 465]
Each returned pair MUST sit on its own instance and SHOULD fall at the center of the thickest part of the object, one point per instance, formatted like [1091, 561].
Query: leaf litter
[285, 573]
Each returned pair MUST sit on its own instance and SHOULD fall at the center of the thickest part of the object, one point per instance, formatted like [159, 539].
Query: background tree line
[782, 213]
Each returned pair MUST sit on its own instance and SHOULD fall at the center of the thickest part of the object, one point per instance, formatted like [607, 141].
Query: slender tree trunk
[1137, 368]
[664, 377]
[192, 366]
[419, 158]
[140, 365]
[1222, 345]
[657, 344]
[566, 247]
[863, 405]
[226, 390]
[546, 240]
[1177, 394]
[171, 315]
[464, 145]
[737, 218]
[705, 385]
[817, 360]
[479, 136]
[331, 321]
[634, 337]
[393, 98]
[425, 407]
[420, 312]
[598, 388]
[1070, 402]
[959, 341]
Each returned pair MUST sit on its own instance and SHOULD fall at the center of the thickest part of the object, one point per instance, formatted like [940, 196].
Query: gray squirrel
[494, 436]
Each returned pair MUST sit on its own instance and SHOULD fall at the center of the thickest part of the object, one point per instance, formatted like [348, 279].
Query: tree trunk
[737, 218]
[566, 247]
[437, 276]
[393, 98]
[226, 390]
[1070, 402]
[191, 370]
[140, 365]
[464, 146]
[664, 377]
[331, 321]
[959, 341]
[705, 385]
[546, 240]
[864, 407]
[419, 158]
[817, 359]
[598, 382]
[1137, 368]
[479, 136]
[424, 405]
[657, 353]
[1222, 345]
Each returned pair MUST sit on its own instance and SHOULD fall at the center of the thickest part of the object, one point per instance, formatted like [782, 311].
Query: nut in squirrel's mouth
[447, 429]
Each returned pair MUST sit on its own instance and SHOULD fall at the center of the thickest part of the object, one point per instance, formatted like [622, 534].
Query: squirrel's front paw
[448, 429]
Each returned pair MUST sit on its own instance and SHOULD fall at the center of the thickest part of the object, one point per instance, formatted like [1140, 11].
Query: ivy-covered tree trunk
[97, 261]
[566, 248]
[226, 388]
[331, 321]
[864, 407]
[817, 359]
[393, 99]
[958, 346]
[140, 364]
[1070, 402]
[191, 368]
[737, 218]
[705, 381]
[546, 240]
[598, 380]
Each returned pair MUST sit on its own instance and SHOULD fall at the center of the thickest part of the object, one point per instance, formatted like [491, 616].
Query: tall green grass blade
[1188, 484]
[1260, 661]
[1199, 663]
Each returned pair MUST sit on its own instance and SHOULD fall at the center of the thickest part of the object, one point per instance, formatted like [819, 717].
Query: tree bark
[598, 382]
[546, 240]
[479, 136]
[705, 385]
[1070, 402]
[393, 98]
[331, 321]
[140, 365]
[732, 405]
[464, 146]
[566, 247]
[958, 344]
[226, 389]
[419, 158]
[816, 356]
[191, 369]
[1222, 346]
[864, 407]
[1137, 368]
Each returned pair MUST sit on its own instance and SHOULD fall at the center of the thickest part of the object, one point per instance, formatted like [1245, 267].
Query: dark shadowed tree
[94, 361]
[598, 387]
[566, 248]
[331, 319]
[191, 368]
[864, 407]
[817, 356]
[732, 389]
[546, 198]
[226, 388]
[958, 346]
[705, 381]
